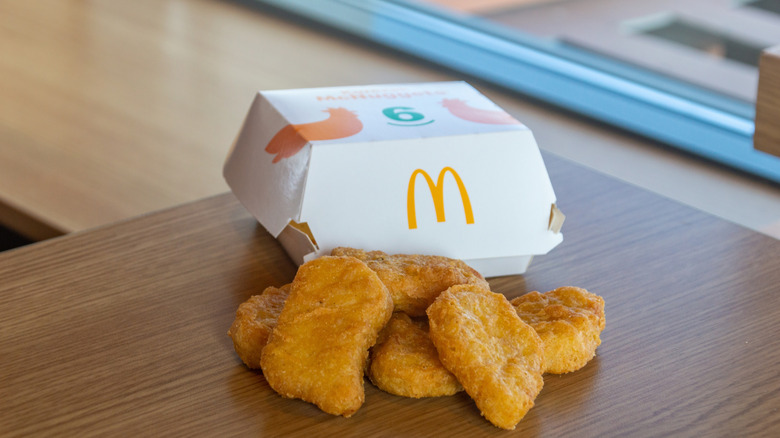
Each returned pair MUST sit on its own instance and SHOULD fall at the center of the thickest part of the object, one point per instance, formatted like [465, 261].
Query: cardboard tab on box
[430, 168]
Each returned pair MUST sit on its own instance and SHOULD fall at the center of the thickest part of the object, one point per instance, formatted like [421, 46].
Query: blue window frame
[674, 112]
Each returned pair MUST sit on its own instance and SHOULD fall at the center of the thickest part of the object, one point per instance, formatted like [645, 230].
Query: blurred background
[112, 109]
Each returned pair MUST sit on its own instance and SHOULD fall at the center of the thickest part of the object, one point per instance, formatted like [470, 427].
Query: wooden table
[121, 330]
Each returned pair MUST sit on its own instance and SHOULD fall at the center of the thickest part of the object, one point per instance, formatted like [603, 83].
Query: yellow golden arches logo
[437, 193]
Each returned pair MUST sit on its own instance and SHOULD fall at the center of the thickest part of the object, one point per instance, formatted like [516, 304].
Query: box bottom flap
[297, 243]
[498, 266]
[300, 246]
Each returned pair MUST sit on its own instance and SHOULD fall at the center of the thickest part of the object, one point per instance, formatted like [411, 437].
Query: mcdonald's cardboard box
[430, 168]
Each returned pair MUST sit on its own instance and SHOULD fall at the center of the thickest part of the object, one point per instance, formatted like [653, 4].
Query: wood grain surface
[767, 136]
[121, 330]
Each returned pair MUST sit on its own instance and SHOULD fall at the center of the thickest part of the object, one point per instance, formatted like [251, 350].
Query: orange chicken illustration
[461, 110]
[340, 123]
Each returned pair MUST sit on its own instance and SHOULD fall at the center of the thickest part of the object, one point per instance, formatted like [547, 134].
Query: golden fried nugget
[318, 350]
[569, 320]
[404, 361]
[255, 319]
[497, 357]
[415, 281]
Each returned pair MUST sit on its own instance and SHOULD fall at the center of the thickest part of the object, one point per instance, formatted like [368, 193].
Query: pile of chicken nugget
[417, 326]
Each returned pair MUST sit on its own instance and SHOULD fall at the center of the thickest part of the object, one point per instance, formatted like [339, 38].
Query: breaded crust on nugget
[415, 281]
[569, 320]
[255, 319]
[497, 357]
[404, 361]
[318, 350]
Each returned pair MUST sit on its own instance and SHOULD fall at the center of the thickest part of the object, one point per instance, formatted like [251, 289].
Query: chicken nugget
[255, 319]
[414, 281]
[569, 320]
[404, 361]
[497, 357]
[319, 348]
